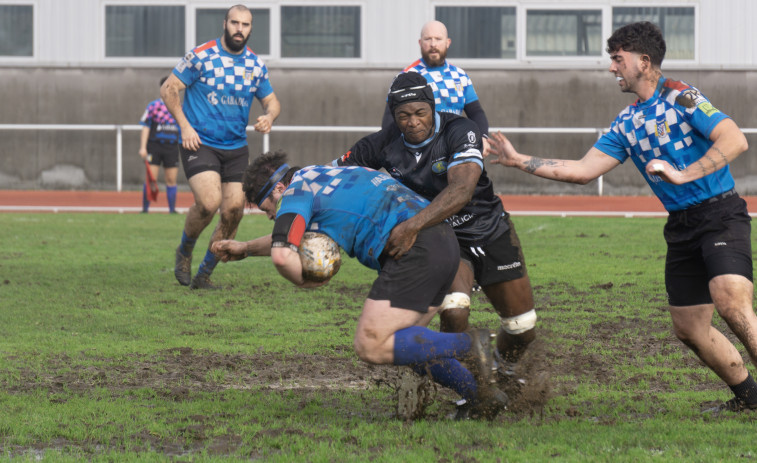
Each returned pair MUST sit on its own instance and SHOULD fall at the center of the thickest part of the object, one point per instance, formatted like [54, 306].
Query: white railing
[119, 129]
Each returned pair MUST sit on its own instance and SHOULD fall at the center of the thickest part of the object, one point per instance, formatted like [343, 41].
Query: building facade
[533, 63]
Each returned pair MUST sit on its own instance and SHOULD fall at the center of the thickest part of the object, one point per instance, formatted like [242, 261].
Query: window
[209, 26]
[144, 31]
[677, 25]
[16, 30]
[320, 32]
[479, 32]
[564, 33]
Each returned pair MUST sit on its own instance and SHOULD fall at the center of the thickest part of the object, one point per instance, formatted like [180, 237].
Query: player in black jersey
[439, 155]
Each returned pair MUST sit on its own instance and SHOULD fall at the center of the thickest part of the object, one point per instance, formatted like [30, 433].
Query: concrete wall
[515, 98]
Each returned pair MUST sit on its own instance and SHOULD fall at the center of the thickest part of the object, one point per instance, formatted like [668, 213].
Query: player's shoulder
[250, 54]
[210, 44]
[454, 125]
[454, 120]
[682, 94]
[457, 69]
[415, 66]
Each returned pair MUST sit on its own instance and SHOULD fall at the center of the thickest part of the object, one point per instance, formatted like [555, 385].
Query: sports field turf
[104, 357]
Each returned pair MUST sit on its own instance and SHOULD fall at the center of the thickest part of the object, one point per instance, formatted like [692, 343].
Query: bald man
[453, 88]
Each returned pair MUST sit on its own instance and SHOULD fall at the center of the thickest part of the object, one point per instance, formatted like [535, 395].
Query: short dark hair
[641, 37]
[259, 172]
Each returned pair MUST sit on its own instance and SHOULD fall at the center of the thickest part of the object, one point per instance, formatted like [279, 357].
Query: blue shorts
[706, 240]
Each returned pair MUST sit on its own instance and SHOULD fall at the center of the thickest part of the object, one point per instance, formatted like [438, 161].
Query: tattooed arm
[582, 171]
[728, 142]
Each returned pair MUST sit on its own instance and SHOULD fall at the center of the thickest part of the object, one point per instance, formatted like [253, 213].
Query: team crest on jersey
[472, 136]
[439, 167]
[458, 87]
[662, 129]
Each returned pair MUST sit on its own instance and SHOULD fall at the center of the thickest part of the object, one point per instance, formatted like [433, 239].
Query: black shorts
[419, 279]
[704, 241]
[165, 154]
[497, 261]
[230, 164]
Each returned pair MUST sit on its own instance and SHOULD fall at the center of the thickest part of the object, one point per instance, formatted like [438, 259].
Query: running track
[131, 202]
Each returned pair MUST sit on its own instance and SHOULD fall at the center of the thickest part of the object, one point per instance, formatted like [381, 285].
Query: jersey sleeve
[297, 199]
[698, 112]
[464, 140]
[470, 92]
[475, 112]
[367, 151]
[265, 88]
[613, 143]
[146, 118]
[189, 68]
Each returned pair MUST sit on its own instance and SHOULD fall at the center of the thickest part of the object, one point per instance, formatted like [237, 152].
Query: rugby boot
[480, 359]
[202, 281]
[488, 403]
[183, 268]
[733, 405]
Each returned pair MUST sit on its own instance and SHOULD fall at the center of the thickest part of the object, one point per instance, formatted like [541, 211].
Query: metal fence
[119, 130]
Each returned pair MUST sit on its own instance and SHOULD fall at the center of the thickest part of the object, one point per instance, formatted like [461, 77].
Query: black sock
[746, 390]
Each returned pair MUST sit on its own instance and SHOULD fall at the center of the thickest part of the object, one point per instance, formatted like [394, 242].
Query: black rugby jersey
[423, 168]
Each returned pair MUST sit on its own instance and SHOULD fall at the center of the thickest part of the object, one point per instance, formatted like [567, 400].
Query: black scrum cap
[409, 87]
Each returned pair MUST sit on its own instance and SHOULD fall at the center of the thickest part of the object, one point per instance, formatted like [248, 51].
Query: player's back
[356, 206]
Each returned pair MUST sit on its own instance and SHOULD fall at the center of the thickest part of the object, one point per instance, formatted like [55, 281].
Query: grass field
[104, 357]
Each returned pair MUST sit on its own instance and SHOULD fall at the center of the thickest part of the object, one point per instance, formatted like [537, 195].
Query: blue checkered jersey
[453, 88]
[163, 127]
[673, 125]
[355, 206]
[423, 168]
[220, 90]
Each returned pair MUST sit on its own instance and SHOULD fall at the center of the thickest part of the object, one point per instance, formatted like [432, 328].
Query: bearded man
[220, 79]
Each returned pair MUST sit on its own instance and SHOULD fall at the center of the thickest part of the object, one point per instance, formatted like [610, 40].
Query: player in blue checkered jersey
[682, 145]
[453, 88]
[220, 78]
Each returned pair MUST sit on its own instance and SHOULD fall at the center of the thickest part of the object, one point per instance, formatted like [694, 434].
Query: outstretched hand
[229, 250]
[502, 149]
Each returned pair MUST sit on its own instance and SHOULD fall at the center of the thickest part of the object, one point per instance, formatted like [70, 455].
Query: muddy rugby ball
[320, 257]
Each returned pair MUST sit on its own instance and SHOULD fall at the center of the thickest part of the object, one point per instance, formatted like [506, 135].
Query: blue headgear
[271, 183]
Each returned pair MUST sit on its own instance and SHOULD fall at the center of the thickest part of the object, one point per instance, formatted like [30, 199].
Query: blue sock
[171, 195]
[208, 263]
[451, 374]
[187, 244]
[145, 201]
[417, 344]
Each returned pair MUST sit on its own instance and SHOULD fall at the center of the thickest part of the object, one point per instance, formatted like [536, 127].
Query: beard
[434, 63]
[231, 43]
